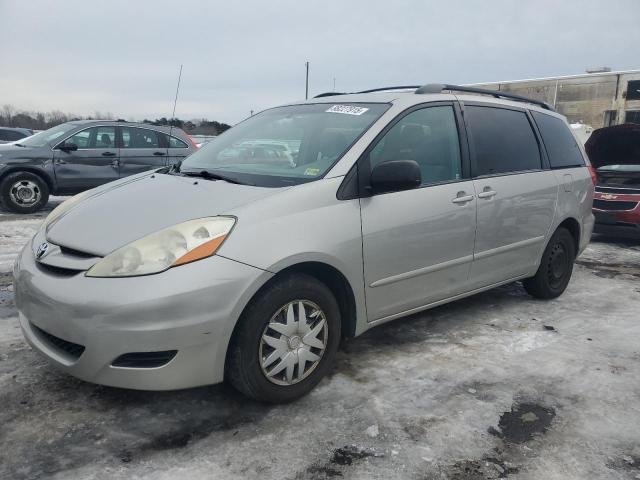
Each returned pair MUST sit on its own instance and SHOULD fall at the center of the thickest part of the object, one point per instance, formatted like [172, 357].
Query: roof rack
[439, 87]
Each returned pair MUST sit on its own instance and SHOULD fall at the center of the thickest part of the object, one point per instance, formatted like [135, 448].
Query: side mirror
[395, 175]
[68, 147]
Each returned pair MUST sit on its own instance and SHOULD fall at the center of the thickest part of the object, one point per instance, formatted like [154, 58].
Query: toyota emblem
[42, 250]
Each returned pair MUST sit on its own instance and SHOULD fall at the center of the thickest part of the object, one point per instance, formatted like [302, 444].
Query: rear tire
[310, 339]
[556, 266]
[24, 192]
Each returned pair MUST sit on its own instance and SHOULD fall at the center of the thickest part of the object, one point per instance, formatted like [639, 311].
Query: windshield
[286, 145]
[43, 138]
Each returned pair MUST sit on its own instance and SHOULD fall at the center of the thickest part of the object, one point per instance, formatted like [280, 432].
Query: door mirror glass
[68, 147]
[395, 175]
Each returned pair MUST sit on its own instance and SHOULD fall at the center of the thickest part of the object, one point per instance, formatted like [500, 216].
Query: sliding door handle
[463, 199]
[487, 194]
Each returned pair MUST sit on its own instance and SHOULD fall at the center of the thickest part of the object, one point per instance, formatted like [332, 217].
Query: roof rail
[383, 89]
[439, 87]
[329, 94]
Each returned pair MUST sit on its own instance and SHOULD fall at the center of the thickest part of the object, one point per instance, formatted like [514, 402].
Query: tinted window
[11, 135]
[633, 90]
[95, 137]
[502, 139]
[561, 147]
[430, 137]
[139, 138]
[632, 116]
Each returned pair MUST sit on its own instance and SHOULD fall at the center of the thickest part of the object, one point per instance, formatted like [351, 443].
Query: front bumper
[615, 223]
[192, 309]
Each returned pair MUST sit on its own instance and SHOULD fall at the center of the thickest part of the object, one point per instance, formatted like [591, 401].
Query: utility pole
[306, 83]
[334, 84]
[251, 113]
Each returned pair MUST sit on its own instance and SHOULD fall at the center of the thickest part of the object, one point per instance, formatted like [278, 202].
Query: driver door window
[96, 137]
[430, 137]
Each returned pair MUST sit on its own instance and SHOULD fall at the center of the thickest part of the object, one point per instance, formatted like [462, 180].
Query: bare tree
[7, 114]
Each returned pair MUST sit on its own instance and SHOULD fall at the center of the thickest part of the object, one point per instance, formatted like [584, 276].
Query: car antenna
[173, 115]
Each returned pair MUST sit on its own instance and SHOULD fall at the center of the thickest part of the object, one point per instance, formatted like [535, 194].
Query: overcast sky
[123, 56]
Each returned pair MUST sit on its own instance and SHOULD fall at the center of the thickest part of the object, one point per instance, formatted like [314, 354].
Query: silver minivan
[304, 224]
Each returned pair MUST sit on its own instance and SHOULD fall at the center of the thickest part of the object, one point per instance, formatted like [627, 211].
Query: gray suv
[304, 224]
[80, 155]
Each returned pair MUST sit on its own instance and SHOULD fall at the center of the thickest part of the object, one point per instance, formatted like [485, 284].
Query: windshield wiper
[213, 176]
[19, 145]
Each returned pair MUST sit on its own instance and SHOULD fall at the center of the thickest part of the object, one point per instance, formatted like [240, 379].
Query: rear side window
[139, 138]
[503, 140]
[173, 142]
[561, 146]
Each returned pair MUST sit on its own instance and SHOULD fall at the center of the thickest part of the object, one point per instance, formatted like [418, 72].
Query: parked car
[396, 203]
[615, 151]
[10, 134]
[80, 155]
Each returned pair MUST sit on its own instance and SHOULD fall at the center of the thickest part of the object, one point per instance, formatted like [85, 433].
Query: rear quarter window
[561, 146]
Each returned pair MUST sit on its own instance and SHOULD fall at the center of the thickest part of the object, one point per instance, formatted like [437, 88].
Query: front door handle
[462, 198]
[487, 194]
[108, 154]
[159, 153]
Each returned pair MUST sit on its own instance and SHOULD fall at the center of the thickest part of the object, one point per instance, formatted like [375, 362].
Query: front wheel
[285, 341]
[556, 266]
[24, 192]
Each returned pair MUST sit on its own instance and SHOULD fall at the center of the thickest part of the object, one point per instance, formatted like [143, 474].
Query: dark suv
[80, 155]
[9, 134]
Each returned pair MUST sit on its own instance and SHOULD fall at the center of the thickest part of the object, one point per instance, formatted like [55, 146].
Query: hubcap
[25, 192]
[293, 342]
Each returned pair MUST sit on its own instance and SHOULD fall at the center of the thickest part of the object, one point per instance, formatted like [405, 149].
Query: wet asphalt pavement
[498, 385]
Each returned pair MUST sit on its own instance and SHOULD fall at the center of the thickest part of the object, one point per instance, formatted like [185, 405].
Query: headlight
[64, 207]
[173, 246]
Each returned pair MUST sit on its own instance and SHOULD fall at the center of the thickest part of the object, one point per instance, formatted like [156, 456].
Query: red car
[615, 154]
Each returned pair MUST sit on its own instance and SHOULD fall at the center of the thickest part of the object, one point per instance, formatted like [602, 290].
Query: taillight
[594, 175]
[192, 142]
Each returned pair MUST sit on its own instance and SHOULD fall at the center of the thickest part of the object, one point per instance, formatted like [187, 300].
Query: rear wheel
[24, 192]
[556, 266]
[286, 340]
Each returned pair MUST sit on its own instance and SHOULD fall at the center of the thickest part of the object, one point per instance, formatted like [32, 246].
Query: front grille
[613, 205]
[75, 253]
[72, 349]
[144, 359]
[60, 271]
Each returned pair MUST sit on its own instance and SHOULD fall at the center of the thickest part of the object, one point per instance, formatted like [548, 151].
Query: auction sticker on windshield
[347, 109]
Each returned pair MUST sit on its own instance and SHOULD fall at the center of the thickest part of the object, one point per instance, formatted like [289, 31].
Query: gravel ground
[494, 386]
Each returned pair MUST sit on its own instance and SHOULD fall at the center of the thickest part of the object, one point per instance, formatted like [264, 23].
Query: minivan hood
[617, 145]
[126, 210]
